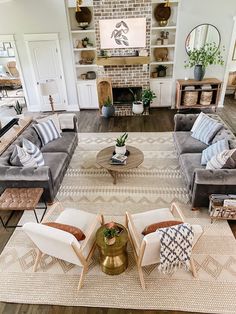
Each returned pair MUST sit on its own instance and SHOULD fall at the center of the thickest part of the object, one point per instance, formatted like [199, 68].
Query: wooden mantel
[133, 60]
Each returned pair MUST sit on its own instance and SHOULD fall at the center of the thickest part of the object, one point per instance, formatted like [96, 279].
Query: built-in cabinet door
[163, 91]
[88, 96]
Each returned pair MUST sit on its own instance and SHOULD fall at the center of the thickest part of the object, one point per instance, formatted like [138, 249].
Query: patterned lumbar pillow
[206, 128]
[21, 158]
[224, 160]
[213, 150]
[47, 131]
[34, 151]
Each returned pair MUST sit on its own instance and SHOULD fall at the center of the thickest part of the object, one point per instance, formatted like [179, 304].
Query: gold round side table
[113, 258]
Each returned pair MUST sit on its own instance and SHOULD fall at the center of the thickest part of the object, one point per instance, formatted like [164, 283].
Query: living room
[92, 77]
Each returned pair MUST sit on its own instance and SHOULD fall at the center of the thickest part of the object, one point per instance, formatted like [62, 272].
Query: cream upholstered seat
[147, 248]
[63, 245]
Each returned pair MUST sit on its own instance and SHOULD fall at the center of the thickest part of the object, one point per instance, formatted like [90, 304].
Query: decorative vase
[110, 241]
[137, 107]
[199, 72]
[162, 22]
[120, 150]
[108, 111]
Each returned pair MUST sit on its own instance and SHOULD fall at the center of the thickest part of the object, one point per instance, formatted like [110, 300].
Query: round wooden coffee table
[134, 159]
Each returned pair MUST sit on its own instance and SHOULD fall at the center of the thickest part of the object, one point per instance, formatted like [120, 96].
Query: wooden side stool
[16, 199]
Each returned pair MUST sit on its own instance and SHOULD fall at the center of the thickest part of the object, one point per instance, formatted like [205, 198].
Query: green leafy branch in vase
[207, 55]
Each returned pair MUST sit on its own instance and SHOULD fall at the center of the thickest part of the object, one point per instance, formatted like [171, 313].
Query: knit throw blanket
[176, 247]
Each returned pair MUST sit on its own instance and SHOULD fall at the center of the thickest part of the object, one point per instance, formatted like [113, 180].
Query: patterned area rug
[156, 183]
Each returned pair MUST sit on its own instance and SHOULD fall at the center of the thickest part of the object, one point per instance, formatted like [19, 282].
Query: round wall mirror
[201, 35]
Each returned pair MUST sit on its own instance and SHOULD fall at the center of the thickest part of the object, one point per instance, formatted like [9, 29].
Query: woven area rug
[156, 183]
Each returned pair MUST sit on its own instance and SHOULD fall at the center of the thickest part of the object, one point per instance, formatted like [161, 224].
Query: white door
[88, 97]
[47, 66]
[163, 91]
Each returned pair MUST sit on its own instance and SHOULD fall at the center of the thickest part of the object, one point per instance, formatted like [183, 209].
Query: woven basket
[206, 98]
[190, 98]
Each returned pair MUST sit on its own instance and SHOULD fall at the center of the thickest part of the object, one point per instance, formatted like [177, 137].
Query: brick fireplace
[124, 75]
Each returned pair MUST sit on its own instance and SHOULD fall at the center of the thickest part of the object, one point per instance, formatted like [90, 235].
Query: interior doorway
[12, 88]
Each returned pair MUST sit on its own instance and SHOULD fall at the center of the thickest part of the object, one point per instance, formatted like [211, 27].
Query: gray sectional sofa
[201, 182]
[57, 155]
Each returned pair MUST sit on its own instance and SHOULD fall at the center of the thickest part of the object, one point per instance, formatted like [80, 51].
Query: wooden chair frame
[176, 211]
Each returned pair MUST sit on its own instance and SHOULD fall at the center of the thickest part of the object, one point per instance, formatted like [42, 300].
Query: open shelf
[132, 60]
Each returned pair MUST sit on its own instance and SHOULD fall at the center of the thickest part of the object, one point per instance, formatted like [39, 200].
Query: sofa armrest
[68, 121]
[207, 182]
[184, 122]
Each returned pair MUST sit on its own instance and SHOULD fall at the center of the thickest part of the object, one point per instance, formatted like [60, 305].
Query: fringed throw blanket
[176, 247]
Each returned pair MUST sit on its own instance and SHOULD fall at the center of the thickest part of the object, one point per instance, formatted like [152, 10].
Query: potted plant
[161, 70]
[201, 58]
[110, 235]
[147, 97]
[108, 109]
[137, 106]
[120, 147]
[18, 108]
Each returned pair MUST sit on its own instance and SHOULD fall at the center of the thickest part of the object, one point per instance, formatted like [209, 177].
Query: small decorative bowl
[83, 25]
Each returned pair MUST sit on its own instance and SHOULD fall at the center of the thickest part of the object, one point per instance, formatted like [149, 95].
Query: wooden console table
[184, 86]
[9, 137]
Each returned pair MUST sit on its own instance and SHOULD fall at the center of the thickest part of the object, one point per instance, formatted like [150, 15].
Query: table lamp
[48, 89]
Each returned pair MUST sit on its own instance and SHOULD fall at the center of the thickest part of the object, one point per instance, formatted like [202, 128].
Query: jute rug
[156, 183]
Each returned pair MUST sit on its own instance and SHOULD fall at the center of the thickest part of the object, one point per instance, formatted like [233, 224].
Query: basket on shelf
[206, 98]
[190, 98]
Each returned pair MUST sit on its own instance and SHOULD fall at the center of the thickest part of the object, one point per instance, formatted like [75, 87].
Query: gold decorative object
[113, 258]
[78, 3]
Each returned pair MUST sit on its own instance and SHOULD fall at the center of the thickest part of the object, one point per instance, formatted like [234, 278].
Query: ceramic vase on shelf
[120, 150]
[199, 72]
[137, 107]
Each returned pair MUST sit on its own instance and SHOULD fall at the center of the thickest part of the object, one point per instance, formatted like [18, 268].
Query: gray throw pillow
[34, 151]
[21, 158]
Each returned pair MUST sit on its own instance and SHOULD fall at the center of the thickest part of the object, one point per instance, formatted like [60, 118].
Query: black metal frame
[5, 224]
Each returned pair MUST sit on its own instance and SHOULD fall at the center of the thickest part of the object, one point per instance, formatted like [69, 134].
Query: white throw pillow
[55, 120]
[224, 160]
[21, 158]
[34, 151]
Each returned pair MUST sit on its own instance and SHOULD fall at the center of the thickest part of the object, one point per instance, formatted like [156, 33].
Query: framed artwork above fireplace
[123, 33]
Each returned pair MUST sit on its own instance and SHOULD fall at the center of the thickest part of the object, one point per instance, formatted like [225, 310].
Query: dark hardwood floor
[160, 120]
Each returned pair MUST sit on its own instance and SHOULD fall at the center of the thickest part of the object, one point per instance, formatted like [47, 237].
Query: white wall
[45, 16]
[194, 12]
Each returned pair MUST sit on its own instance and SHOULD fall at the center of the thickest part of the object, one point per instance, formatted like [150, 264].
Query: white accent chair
[63, 245]
[147, 248]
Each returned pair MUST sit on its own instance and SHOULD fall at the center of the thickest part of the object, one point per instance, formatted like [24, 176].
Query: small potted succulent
[108, 109]
[18, 108]
[147, 97]
[161, 70]
[110, 234]
[120, 147]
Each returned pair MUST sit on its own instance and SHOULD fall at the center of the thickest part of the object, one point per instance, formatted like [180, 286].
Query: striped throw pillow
[21, 158]
[213, 150]
[47, 131]
[34, 151]
[224, 160]
[206, 129]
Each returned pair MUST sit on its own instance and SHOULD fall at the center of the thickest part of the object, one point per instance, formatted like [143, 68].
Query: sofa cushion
[185, 143]
[63, 144]
[225, 134]
[57, 162]
[188, 163]
[21, 158]
[31, 135]
[205, 128]
[213, 150]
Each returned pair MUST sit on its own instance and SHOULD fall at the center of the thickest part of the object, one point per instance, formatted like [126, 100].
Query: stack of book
[118, 159]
